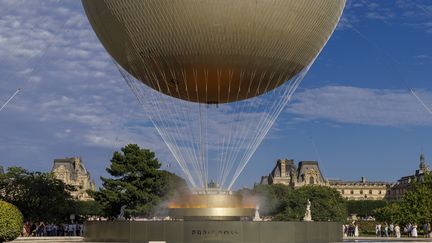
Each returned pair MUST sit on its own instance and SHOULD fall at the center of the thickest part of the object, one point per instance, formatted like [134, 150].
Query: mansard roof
[305, 166]
[289, 166]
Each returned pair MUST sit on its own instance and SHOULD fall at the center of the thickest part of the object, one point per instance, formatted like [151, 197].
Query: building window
[370, 192]
[311, 180]
[343, 191]
[352, 191]
[361, 192]
[380, 192]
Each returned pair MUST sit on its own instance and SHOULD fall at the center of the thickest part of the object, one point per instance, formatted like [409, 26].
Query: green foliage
[136, 182]
[415, 206]
[390, 213]
[172, 185]
[326, 203]
[271, 198]
[366, 227]
[87, 209]
[39, 196]
[364, 208]
[11, 222]
[288, 204]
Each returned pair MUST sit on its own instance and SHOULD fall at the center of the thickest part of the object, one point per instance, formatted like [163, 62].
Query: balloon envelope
[213, 51]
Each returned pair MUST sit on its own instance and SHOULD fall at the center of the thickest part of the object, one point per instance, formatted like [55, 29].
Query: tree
[364, 208]
[327, 204]
[86, 209]
[136, 182]
[11, 222]
[414, 207]
[39, 196]
[391, 212]
[271, 197]
[287, 204]
[416, 204]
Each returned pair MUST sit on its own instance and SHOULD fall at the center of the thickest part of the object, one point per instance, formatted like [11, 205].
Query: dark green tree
[39, 196]
[271, 198]
[416, 204]
[86, 209]
[288, 204]
[414, 207]
[391, 212]
[11, 222]
[364, 208]
[137, 182]
[327, 204]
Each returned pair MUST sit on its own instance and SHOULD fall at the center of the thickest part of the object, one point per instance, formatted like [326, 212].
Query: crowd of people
[386, 230]
[351, 230]
[394, 230]
[390, 230]
[40, 229]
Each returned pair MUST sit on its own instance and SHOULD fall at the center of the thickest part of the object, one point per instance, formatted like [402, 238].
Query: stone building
[308, 173]
[287, 173]
[399, 188]
[361, 190]
[72, 172]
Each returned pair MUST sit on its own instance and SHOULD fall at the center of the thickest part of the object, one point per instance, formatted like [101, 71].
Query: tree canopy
[364, 208]
[39, 196]
[136, 182]
[415, 205]
[288, 204]
[11, 221]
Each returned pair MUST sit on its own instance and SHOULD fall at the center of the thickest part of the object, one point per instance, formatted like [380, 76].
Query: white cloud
[415, 13]
[354, 105]
[71, 91]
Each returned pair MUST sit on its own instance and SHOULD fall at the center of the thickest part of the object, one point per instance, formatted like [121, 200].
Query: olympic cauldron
[211, 203]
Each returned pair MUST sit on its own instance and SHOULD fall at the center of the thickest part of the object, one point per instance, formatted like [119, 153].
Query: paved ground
[80, 239]
[383, 239]
[48, 239]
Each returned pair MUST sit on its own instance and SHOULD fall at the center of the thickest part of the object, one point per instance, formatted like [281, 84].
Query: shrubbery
[364, 208]
[288, 204]
[11, 222]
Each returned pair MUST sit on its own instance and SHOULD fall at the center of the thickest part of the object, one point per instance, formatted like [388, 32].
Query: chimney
[77, 161]
[283, 167]
[363, 179]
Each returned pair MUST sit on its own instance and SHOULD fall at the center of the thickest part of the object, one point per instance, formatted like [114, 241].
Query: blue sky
[353, 112]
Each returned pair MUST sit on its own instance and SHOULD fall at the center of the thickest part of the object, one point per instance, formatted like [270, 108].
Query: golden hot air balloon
[213, 51]
[181, 56]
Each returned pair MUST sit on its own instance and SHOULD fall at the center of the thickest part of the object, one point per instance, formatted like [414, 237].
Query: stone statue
[257, 216]
[308, 214]
[121, 217]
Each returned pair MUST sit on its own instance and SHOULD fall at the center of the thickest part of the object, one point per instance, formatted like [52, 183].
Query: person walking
[426, 230]
[392, 228]
[77, 229]
[386, 230]
[378, 230]
[65, 230]
[409, 229]
[397, 231]
[414, 231]
[429, 234]
[71, 229]
[27, 231]
[356, 230]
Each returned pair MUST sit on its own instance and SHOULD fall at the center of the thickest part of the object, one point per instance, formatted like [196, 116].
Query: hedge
[11, 222]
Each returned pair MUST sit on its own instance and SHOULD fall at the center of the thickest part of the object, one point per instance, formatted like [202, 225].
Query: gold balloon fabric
[213, 51]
